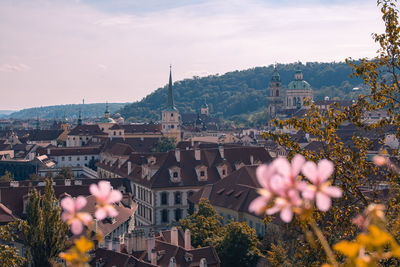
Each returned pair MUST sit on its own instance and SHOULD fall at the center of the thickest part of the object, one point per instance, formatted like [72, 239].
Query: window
[115, 133]
[62, 158]
[201, 173]
[120, 133]
[178, 214]
[178, 198]
[223, 172]
[164, 199]
[73, 138]
[85, 157]
[78, 158]
[172, 114]
[172, 126]
[175, 175]
[277, 92]
[69, 158]
[164, 216]
[93, 157]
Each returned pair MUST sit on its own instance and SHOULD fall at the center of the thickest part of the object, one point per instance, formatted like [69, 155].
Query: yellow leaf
[83, 244]
[349, 249]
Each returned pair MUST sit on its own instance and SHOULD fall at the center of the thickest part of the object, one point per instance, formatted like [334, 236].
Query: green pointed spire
[170, 100]
[37, 123]
[275, 76]
[107, 112]
[80, 118]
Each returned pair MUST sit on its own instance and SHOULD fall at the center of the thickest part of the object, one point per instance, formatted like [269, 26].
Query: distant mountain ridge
[71, 111]
[242, 96]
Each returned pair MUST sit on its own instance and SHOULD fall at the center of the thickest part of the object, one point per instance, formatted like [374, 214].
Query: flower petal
[309, 192]
[85, 217]
[115, 196]
[325, 169]
[282, 167]
[323, 201]
[104, 188]
[67, 203]
[100, 213]
[332, 191]
[258, 204]
[80, 202]
[76, 227]
[262, 175]
[65, 216]
[287, 214]
[94, 190]
[297, 163]
[310, 171]
[273, 210]
[111, 211]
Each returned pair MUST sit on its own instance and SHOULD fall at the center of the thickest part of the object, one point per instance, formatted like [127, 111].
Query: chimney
[178, 154]
[129, 167]
[172, 262]
[141, 241]
[128, 243]
[251, 159]
[203, 262]
[153, 257]
[134, 240]
[174, 236]
[188, 242]
[151, 242]
[221, 150]
[48, 151]
[197, 154]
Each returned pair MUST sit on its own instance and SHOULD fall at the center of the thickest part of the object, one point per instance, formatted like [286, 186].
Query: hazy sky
[60, 51]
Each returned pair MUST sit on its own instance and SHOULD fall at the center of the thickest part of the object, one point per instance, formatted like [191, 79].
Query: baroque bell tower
[275, 100]
[170, 118]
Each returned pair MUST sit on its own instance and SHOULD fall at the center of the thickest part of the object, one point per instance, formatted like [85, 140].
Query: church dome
[298, 85]
[107, 120]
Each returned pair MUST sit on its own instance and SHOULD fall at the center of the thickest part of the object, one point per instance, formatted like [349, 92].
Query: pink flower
[72, 216]
[320, 189]
[105, 197]
[279, 183]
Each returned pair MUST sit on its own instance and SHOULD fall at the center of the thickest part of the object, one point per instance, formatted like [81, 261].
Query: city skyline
[60, 52]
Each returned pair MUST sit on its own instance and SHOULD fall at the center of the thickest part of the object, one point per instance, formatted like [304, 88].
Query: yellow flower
[349, 249]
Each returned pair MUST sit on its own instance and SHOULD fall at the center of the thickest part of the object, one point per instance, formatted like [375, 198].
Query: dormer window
[201, 172]
[222, 170]
[174, 173]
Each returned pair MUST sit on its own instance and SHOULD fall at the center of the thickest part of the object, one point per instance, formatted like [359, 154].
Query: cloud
[65, 41]
[14, 67]
[101, 67]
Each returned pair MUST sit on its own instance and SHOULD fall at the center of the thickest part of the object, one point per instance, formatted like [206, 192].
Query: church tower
[275, 95]
[170, 118]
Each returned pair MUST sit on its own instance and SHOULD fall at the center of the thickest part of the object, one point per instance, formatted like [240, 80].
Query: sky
[62, 51]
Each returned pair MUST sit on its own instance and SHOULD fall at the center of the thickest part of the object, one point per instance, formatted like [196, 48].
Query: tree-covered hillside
[242, 95]
[71, 111]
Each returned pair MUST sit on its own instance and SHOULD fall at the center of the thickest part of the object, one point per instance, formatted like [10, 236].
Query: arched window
[164, 198]
[164, 216]
[178, 214]
[178, 198]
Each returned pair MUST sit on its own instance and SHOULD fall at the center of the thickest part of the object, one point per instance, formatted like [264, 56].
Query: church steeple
[107, 112]
[80, 118]
[170, 99]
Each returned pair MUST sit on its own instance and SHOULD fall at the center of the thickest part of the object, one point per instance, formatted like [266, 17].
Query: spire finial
[170, 100]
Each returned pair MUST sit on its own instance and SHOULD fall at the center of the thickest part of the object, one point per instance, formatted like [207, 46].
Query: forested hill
[242, 95]
[71, 111]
